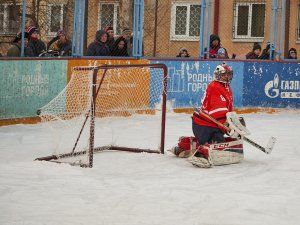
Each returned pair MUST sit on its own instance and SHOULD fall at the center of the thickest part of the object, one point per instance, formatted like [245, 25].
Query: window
[109, 16]
[10, 18]
[57, 15]
[249, 20]
[185, 21]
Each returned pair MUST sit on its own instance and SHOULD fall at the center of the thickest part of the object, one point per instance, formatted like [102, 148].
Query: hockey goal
[108, 107]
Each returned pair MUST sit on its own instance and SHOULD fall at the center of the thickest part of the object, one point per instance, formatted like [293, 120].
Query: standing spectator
[35, 44]
[215, 44]
[61, 44]
[266, 52]
[110, 36]
[183, 52]
[292, 54]
[126, 35]
[15, 49]
[119, 48]
[99, 47]
[256, 50]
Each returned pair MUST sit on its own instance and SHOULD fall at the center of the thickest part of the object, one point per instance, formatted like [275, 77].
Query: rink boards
[28, 84]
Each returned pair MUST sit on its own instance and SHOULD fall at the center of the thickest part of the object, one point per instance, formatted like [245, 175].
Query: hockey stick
[266, 149]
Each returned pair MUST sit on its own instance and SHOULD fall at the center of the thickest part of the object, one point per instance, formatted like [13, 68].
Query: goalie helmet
[223, 73]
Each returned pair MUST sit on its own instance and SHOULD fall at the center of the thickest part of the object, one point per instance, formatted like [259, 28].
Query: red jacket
[216, 101]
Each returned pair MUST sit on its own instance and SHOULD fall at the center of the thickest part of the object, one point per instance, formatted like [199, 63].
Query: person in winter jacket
[110, 36]
[119, 48]
[35, 44]
[99, 47]
[256, 50]
[61, 44]
[266, 53]
[15, 49]
[183, 52]
[292, 54]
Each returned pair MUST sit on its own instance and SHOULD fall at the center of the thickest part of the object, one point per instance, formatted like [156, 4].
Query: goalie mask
[223, 73]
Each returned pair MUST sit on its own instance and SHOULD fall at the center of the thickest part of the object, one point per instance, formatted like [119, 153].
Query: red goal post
[108, 106]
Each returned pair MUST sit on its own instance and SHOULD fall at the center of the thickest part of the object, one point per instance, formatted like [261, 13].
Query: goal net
[108, 107]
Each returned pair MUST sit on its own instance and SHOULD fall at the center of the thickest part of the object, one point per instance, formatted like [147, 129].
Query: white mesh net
[129, 96]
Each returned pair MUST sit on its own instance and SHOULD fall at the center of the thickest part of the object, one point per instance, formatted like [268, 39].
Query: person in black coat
[292, 54]
[36, 45]
[266, 53]
[119, 48]
[61, 44]
[256, 50]
[99, 47]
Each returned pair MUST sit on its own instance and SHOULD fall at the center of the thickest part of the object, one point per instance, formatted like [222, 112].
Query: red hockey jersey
[216, 101]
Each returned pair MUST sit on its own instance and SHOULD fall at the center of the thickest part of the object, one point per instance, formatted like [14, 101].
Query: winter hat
[221, 51]
[126, 30]
[99, 34]
[61, 32]
[183, 50]
[214, 37]
[19, 36]
[256, 46]
[109, 29]
[293, 50]
[31, 30]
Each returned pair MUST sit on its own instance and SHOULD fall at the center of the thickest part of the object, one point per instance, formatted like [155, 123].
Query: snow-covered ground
[150, 189]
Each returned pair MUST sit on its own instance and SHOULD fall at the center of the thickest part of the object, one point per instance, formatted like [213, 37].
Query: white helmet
[221, 71]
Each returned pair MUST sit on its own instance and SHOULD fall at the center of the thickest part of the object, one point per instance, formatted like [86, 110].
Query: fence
[159, 28]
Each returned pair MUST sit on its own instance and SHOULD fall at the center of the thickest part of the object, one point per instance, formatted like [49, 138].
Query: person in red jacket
[216, 102]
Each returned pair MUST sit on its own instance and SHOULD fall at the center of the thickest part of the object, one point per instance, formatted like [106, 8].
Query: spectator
[35, 44]
[222, 53]
[256, 50]
[61, 44]
[126, 35]
[99, 47]
[292, 54]
[183, 53]
[15, 49]
[215, 44]
[110, 36]
[266, 52]
[119, 48]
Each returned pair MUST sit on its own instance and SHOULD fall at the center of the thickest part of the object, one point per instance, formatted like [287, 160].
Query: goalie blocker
[216, 154]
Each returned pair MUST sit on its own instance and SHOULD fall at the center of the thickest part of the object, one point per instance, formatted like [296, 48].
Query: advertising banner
[27, 85]
[188, 80]
[274, 85]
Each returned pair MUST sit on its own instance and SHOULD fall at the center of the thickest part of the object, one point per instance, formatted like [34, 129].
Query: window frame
[173, 36]
[247, 37]
[61, 22]
[5, 13]
[115, 16]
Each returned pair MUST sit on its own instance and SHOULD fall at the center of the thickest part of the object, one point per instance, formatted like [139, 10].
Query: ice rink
[150, 189]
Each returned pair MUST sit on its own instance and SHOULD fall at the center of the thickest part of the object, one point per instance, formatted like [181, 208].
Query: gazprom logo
[271, 88]
[282, 88]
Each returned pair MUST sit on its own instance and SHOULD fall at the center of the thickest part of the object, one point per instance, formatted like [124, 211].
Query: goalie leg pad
[201, 157]
[227, 153]
[218, 154]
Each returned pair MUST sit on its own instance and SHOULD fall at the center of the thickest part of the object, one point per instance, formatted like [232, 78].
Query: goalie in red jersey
[216, 102]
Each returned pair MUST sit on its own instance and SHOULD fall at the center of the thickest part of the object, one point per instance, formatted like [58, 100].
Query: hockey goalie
[218, 131]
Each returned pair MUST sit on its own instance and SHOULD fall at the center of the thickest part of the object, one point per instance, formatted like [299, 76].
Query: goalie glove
[233, 134]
